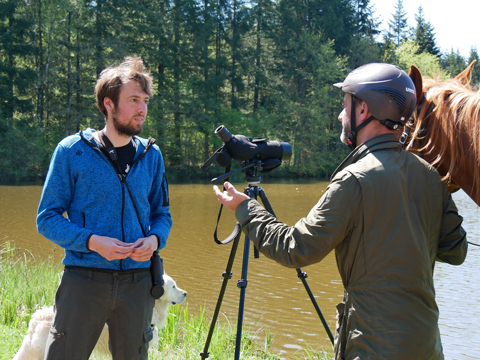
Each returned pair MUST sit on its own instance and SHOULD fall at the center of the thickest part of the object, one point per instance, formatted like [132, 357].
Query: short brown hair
[111, 80]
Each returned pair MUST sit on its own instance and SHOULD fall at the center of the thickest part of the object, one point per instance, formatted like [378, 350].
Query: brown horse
[445, 129]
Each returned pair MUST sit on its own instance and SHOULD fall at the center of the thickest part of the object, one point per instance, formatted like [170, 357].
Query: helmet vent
[396, 96]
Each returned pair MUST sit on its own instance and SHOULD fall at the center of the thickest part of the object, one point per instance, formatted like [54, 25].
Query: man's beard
[127, 129]
[346, 131]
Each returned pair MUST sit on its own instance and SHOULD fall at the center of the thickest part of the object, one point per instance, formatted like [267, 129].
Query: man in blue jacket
[112, 186]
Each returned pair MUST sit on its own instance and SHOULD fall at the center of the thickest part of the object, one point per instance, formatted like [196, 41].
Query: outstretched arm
[231, 197]
[311, 238]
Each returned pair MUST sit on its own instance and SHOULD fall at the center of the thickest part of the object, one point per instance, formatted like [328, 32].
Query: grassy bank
[27, 284]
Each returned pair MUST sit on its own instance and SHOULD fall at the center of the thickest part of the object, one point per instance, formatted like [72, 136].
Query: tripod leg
[226, 276]
[302, 275]
[242, 284]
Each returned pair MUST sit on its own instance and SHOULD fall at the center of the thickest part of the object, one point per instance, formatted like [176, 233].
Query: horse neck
[459, 174]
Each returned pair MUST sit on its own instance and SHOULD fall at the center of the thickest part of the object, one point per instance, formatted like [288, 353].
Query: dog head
[172, 294]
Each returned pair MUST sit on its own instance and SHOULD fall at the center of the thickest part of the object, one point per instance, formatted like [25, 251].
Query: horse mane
[453, 127]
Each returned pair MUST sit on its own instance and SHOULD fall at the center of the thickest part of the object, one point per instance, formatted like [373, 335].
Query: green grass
[27, 284]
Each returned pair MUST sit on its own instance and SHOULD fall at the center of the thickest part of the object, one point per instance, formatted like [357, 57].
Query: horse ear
[416, 77]
[466, 75]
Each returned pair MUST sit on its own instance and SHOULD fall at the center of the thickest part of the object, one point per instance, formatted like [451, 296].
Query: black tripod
[253, 191]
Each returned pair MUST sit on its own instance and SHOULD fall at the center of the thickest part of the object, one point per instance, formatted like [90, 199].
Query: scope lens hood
[287, 151]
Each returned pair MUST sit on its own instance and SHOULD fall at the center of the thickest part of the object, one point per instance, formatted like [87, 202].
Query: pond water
[275, 298]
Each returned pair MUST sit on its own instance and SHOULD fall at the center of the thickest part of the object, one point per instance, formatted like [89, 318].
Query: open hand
[230, 198]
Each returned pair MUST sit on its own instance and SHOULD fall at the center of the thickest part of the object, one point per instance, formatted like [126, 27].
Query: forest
[262, 68]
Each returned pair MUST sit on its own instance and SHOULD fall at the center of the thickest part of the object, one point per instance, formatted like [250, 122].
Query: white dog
[33, 345]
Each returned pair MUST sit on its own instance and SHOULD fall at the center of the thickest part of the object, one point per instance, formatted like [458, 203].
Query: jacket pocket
[55, 346]
[340, 332]
[147, 337]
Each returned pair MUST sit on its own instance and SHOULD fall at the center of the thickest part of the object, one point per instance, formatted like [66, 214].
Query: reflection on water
[457, 291]
[275, 297]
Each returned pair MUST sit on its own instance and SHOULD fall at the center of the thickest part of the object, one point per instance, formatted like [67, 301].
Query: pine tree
[263, 14]
[365, 23]
[364, 48]
[476, 70]
[15, 74]
[424, 34]
[398, 25]
[453, 63]
[237, 17]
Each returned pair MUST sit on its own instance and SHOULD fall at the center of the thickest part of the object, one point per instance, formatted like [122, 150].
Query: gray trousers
[86, 299]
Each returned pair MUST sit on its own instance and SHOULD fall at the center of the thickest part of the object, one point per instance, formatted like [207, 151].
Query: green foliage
[365, 23]
[10, 341]
[476, 70]
[26, 284]
[15, 74]
[21, 153]
[364, 50]
[388, 50]
[428, 64]
[398, 25]
[424, 35]
[453, 63]
[262, 68]
[184, 337]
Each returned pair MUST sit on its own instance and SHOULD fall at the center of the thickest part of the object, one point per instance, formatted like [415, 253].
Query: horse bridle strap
[408, 128]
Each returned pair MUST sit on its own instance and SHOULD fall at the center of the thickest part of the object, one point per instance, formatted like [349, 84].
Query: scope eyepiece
[223, 133]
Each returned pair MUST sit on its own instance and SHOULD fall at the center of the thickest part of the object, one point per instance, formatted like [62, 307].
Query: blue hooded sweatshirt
[82, 183]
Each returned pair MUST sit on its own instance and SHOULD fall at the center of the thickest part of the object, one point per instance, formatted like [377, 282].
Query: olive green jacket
[388, 216]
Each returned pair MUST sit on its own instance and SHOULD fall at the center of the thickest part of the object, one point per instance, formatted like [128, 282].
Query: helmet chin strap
[352, 139]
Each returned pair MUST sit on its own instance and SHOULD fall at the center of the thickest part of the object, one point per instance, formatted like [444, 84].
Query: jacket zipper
[120, 177]
[123, 212]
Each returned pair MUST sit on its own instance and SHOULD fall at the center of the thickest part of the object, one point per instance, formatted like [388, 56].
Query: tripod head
[250, 173]
[249, 168]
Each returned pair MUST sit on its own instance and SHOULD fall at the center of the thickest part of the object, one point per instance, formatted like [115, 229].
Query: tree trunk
[39, 63]
[233, 100]
[78, 89]
[70, 81]
[98, 40]
[161, 79]
[176, 95]
[257, 63]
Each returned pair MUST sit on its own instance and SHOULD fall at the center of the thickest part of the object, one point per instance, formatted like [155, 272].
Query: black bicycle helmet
[386, 89]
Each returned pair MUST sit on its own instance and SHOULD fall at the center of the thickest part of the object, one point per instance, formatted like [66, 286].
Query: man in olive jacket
[388, 216]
